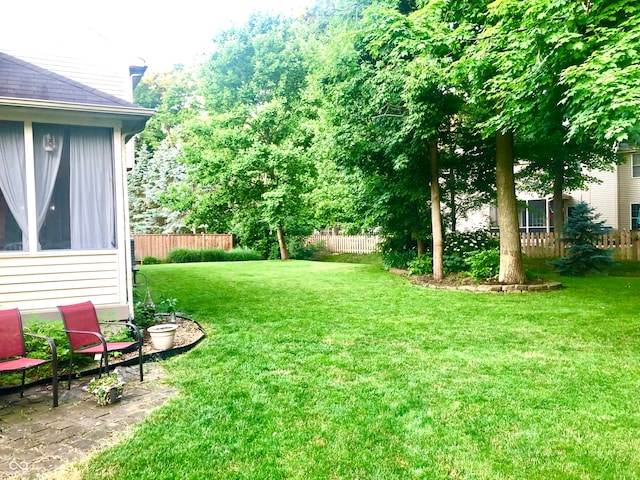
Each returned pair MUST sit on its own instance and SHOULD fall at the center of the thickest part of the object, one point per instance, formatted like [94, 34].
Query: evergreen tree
[149, 185]
[581, 233]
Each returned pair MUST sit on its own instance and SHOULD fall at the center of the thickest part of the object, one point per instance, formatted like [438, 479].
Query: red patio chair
[13, 357]
[85, 336]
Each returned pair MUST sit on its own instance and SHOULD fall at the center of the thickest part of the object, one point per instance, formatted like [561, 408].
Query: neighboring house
[64, 228]
[616, 197]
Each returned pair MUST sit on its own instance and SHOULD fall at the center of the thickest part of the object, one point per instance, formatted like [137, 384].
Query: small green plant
[168, 304]
[484, 264]
[421, 265]
[101, 388]
[144, 314]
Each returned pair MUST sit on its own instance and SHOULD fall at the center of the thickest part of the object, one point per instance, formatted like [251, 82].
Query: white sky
[161, 32]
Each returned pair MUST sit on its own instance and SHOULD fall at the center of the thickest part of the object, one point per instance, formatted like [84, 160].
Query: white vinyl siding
[45, 281]
[628, 191]
[635, 165]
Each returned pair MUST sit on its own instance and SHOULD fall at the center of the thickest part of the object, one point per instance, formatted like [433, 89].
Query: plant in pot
[169, 306]
[108, 388]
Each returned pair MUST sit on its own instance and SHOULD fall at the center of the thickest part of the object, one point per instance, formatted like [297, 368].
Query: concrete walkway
[36, 438]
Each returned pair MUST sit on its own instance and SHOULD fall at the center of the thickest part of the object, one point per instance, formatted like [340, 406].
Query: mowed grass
[341, 371]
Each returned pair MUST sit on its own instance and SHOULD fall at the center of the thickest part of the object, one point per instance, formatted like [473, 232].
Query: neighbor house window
[74, 187]
[532, 217]
[635, 210]
[635, 165]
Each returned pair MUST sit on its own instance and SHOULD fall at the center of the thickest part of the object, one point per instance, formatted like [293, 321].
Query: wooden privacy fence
[346, 243]
[159, 246]
[626, 245]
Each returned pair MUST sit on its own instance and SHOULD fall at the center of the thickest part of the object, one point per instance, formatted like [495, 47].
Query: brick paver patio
[36, 438]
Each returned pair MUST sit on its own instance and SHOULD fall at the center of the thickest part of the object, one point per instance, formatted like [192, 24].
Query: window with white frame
[532, 216]
[635, 210]
[73, 180]
[635, 165]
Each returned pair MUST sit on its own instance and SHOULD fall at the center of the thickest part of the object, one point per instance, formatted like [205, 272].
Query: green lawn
[342, 371]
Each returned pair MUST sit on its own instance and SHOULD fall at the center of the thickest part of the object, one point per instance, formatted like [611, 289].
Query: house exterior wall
[629, 192]
[38, 281]
[603, 197]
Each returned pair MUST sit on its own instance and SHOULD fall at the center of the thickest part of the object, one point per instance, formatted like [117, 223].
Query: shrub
[581, 231]
[39, 348]
[397, 258]
[421, 265]
[484, 264]
[211, 255]
[240, 254]
[462, 243]
[182, 255]
[151, 261]
[454, 264]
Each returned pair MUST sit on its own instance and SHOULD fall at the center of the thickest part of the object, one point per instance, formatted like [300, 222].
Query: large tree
[249, 156]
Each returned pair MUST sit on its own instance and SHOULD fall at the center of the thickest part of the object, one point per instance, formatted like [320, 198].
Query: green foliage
[454, 264]
[421, 265]
[38, 348]
[397, 258]
[182, 255]
[149, 260]
[484, 264]
[152, 189]
[144, 314]
[581, 231]
[101, 387]
[463, 243]
[240, 254]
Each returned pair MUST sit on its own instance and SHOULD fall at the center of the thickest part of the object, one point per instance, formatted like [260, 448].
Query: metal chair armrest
[50, 341]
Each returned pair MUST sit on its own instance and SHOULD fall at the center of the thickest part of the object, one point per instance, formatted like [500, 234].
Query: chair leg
[54, 380]
[140, 360]
[70, 369]
[22, 385]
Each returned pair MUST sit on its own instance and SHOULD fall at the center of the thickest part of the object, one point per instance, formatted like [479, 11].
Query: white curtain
[12, 174]
[47, 164]
[91, 190]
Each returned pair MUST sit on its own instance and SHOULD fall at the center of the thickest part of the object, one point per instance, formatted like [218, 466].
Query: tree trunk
[284, 253]
[558, 207]
[452, 193]
[511, 266]
[436, 216]
[419, 244]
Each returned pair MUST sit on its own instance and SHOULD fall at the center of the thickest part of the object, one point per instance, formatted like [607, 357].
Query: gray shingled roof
[20, 79]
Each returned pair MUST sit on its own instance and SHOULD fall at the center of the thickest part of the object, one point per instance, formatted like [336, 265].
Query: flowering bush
[463, 243]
